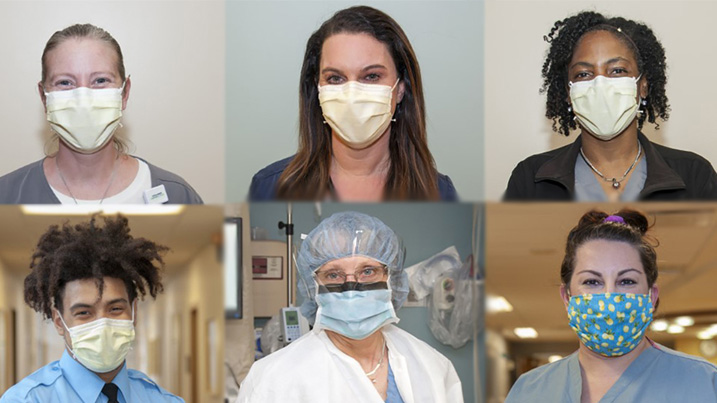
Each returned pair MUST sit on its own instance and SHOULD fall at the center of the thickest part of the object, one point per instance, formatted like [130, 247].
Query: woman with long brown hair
[362, 125]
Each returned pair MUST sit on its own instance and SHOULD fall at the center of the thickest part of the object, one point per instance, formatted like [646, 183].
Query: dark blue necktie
[110, 390]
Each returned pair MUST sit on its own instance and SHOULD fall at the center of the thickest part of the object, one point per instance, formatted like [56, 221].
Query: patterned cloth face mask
[610, 324]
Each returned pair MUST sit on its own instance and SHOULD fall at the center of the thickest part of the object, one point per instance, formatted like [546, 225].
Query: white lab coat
[313, 370]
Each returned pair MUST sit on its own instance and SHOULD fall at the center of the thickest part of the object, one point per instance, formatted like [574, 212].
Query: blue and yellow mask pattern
[610, 324]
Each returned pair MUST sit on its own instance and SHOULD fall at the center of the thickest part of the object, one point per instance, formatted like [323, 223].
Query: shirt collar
[561, 168]
[86, 383]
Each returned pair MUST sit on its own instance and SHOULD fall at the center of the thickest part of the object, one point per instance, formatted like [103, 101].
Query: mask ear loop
[72, 353]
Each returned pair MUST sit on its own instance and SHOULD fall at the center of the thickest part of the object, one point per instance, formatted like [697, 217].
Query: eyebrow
[611, 61]
[374, 66]
[80, 305]
[117, 300]
[620, 273]
[584, 64]
[370, 67]
[617, 59]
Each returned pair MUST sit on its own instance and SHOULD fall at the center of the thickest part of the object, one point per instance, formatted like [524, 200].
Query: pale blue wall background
[426, 229]
[265, 46]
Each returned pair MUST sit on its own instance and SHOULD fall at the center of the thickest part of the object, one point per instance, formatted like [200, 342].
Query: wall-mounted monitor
[232, 256]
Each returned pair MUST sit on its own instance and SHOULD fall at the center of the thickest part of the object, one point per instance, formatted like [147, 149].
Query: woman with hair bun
[606, 77]
[609, 289]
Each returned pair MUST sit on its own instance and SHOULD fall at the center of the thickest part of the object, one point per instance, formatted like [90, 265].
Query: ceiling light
[659, 325]
[496, 303]
[525, 332]
[87, 209]
[705, 335]
[675, 329]
[685, 321]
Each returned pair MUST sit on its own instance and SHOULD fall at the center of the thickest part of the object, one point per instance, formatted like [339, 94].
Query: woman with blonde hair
[84, 90]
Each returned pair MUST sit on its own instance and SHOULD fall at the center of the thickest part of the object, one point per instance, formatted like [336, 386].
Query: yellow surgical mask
[101, 345]
[358, 113]
[605, 106]
[84, 118]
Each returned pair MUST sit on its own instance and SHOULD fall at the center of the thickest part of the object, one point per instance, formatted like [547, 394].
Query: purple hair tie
[615, 219]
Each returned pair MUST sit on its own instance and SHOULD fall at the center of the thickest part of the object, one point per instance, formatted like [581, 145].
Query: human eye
[101, 82]
[332, 276]
[582, 76]
[591, 282]
[372, 77]
[63, 84]
[334, 79]
[82, 314]
[618, 71]
[627, 282]
[368, 272]
[117, 309]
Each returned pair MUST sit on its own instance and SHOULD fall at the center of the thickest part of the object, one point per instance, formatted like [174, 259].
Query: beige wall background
[174, 51]
[515, 112]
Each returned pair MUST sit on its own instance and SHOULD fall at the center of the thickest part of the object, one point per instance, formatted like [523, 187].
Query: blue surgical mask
[354, 314]
[610, 324]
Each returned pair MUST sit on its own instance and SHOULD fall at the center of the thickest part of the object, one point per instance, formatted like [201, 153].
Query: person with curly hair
[609, 275]
[606, 77]
[87, 279]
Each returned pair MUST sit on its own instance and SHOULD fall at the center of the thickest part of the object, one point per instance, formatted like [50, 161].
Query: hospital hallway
[179, 336]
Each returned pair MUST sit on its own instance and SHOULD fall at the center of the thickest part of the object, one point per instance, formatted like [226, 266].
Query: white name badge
[155, 195]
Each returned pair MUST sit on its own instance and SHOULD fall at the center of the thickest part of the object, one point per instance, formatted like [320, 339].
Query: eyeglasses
[369, 274]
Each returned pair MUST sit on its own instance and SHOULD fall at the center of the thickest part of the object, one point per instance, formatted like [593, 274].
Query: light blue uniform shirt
[68, 381]
[657, 375]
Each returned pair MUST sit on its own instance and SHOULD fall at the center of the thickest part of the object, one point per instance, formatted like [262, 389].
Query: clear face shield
[354, 258]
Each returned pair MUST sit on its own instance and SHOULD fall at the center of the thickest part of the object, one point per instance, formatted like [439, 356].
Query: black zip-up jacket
[671, 175]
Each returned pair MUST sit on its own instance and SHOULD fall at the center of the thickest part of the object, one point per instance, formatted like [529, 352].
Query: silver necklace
[380, 362]
[64, 182]
[615, 181]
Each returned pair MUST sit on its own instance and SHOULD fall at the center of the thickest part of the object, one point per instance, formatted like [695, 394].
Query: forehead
[354, 51]
[350, 263]
[607, 257]
[86, 291]
[79, 54]
[601, 46]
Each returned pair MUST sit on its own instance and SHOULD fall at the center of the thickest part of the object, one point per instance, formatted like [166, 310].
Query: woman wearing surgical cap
[84, 90]
[352, 268]
[607, 77]
[362, 119]
[609, 289]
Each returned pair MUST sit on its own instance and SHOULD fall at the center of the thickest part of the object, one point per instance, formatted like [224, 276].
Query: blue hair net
[344, 235]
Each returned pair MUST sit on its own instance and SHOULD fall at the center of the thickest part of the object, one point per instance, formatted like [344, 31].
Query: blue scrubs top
[658, 374]
[392, 395]
[68, 381]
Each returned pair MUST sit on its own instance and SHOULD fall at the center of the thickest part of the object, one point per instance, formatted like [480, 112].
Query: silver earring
[570, 108]
[393, 120]
[644, 102]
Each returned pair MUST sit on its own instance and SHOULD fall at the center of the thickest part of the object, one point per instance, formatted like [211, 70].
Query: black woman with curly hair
[87, 279]
[606, 77]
